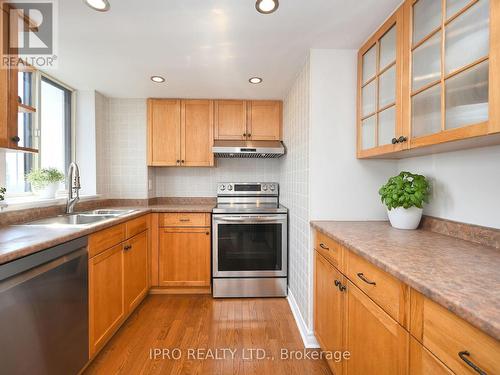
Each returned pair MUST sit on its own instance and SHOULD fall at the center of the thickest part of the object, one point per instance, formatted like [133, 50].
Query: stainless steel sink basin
[108, 212]
[70, 220]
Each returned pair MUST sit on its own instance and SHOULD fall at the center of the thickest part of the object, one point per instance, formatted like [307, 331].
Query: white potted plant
[45, 182]
[404, 196]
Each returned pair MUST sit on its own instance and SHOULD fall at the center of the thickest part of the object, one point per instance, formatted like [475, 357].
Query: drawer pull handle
[464, 357]
[184, 220]
[339, 285]
[363, 277]
[127, 247]
[324, 247]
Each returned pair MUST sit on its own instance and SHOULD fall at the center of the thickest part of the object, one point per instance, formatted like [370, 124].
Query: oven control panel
[248, 188]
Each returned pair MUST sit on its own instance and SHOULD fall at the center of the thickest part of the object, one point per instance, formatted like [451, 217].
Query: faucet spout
[74, 187]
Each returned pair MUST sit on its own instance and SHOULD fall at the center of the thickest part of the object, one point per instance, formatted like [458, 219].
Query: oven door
[250, 245]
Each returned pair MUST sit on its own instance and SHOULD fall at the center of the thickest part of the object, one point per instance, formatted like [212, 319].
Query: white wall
[295, 189]
[202, 182]
[342, 187]
[465, 184]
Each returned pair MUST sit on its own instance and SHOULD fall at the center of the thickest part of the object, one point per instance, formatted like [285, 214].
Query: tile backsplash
[201, 182]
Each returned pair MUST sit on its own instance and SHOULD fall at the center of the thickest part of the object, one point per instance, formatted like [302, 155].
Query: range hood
[248, 149]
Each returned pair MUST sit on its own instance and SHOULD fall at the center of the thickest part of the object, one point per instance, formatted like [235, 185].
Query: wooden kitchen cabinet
[423, 362]
[230, 120]
[445, 99]
[256, 120]
[184, 257]
[106, 307]
[377, 343]
[380, 75]
[118, 277]
[180, 133]
[264, 120]
[329, 307]
[135, 270]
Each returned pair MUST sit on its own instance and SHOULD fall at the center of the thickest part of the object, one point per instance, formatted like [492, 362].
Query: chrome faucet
[74, 187]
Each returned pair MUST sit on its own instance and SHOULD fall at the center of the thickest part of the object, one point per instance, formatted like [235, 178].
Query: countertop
[462, 276]
[17, 241]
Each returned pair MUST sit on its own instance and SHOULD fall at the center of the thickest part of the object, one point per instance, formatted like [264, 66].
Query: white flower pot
[405, 218]
[48, 192]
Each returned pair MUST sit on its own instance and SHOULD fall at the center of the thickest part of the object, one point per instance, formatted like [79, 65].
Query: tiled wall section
[294, 188]
[103, 159]
[122, 143]
[202, 182]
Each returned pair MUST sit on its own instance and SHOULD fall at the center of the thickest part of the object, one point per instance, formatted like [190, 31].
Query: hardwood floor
[178, 326]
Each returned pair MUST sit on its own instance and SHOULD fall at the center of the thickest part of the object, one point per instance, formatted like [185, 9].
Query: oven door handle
[245, 219]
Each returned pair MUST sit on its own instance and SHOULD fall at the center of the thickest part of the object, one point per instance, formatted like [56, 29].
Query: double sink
[80, 219]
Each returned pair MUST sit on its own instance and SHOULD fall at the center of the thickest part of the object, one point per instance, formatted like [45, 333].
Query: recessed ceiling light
[157, 79]
[255, 80]
[266, 6]
[99, 5]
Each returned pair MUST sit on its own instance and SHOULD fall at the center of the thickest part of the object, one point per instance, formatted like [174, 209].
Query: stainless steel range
[250, 241]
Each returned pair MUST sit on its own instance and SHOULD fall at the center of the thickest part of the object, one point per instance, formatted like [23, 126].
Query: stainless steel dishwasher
[44, 311]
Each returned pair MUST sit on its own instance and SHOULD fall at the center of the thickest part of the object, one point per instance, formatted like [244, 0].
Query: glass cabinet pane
[368, 127]
[386, 126]
[387, 87]
[426, 18]
[426, 112]
[369, 64]
[388, 48]
[453, 6]
[467, 97]
[369, 100]
[426, 66]
[467, 37]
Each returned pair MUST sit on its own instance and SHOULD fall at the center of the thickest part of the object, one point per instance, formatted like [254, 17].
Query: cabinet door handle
[127, 247]
[402, 139]
[182, 161]
[249, 135]
[15, 139]
[394, 141]
[184, 220]
[177, 162]
[363, 277]
[464, 357]
[207, 233]
[339, 285]
[324, 247]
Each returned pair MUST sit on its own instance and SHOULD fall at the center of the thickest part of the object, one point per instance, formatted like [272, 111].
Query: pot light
[255, 80]
[157, 79]
[266, 6]
[99, 5]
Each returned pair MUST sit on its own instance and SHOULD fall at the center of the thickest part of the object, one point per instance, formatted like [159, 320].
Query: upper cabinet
[256, 120]
[448, 77]
[380, 77]
[180, 133]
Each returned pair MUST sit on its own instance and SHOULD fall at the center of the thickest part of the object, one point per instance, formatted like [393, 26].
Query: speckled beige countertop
[462, 276]
[17, 241]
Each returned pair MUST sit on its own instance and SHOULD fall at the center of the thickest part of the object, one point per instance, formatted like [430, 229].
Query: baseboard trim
[307, 335]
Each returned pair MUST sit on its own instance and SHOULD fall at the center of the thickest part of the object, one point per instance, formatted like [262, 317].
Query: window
[48, 130]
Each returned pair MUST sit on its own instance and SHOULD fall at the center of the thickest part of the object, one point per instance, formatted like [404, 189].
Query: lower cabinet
[184, 257]
[328, 304]
[423, 362]
[376, 342]
[118, 279]
[105, 296]
[135, 269]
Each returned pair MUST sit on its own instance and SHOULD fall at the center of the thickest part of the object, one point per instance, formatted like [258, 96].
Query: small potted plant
[404, 195]
[2, 198]
[45, 182]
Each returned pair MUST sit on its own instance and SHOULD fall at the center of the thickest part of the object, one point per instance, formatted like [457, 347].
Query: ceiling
[204, 48]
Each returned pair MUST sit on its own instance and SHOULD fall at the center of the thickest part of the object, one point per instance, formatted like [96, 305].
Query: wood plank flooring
[192, 328]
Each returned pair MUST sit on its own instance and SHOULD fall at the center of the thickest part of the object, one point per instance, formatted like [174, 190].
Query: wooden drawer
[100, 241]
[136, 226]
[330, 249]
[453, 340]
[179, 219]
[384, 289]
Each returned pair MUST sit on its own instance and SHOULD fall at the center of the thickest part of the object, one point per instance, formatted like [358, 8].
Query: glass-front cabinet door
[450, 70]
[380, 128]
